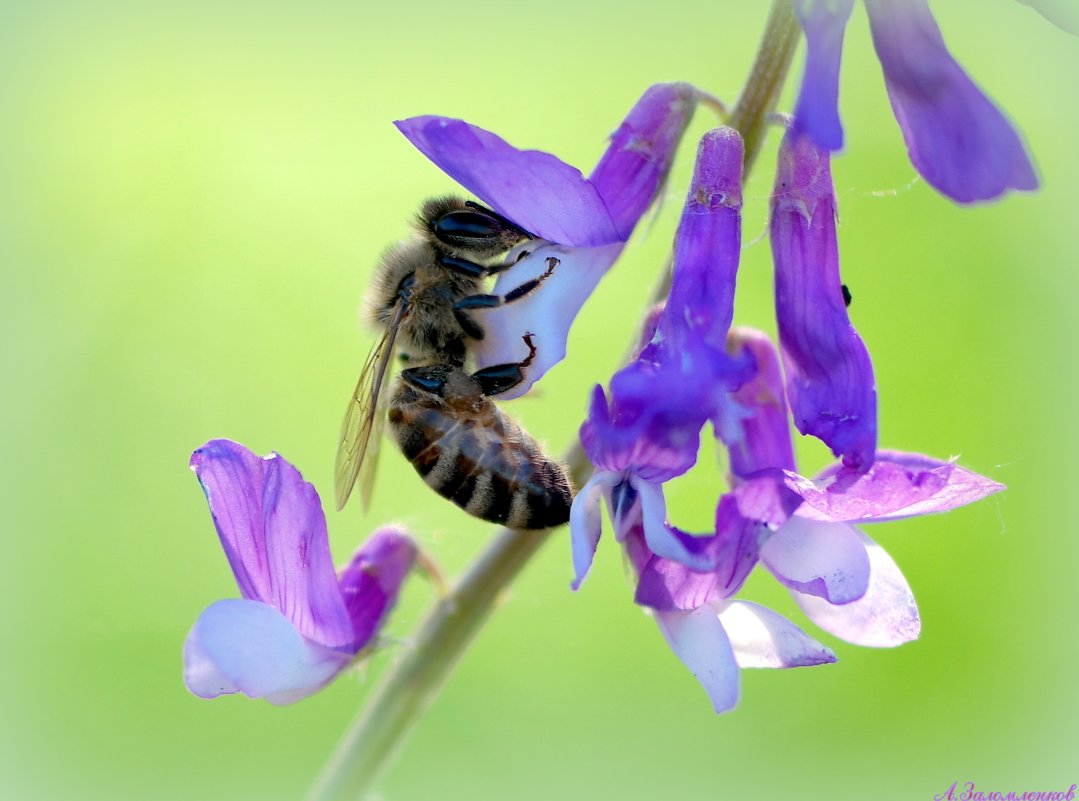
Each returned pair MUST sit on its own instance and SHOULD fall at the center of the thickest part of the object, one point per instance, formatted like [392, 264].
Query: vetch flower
[298, 624]
[825, 561]
[842, 580]
[582, 223]
[829, 374]
[715, 635]
[957, 139]
[649, 430]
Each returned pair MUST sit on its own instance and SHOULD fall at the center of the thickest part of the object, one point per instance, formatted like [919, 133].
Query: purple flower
[649, 431]
[298, 624]
[844, 582]
[711, 633]
[957, 139]
[582, 223]
[829, 374]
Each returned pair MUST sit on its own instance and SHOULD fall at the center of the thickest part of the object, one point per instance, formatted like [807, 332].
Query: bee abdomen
[507, 481]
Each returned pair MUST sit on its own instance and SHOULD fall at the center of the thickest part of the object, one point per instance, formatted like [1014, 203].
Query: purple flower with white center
[582, 222]
[649, 432]
[957, 139]
[829, 374]
[298, 624]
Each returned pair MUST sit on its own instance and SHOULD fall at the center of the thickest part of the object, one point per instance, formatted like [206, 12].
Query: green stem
[761, 92]
[412, 684]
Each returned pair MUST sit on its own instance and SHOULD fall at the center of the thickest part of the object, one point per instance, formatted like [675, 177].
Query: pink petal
[762, 638]
[884, 617]
[824, 559]
[898, 485]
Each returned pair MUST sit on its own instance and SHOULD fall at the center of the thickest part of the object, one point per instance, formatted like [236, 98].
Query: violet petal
[536, 190]
[250, 647]
[762, 638]
[708, 245]
[636, 163]
[273, 531]
[830, 382]
[884, 617]
[957, 139]
[898, 485]
[699, 641]
[732, 551]
[817, 110]
[818, 558]
[372, 580]
[696, 553]
[765, 439]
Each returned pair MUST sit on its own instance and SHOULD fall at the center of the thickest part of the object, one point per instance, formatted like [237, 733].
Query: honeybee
[441, 416]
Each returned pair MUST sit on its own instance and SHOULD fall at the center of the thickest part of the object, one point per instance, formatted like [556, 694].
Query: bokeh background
[192, 198]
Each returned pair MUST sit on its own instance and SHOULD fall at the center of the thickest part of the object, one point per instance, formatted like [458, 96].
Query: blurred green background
[192, 197]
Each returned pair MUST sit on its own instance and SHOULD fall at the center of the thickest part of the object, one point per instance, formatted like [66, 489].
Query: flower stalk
[412, 684]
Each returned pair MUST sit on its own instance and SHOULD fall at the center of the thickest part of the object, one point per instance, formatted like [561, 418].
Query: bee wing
[362, 419]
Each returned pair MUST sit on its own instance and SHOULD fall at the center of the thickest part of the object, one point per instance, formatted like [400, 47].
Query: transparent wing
[363, 418]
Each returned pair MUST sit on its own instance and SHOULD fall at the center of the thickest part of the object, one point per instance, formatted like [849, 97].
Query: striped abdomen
[483, 462]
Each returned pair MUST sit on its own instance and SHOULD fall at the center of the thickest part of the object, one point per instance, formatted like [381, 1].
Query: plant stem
[761, 92]
[412, 684]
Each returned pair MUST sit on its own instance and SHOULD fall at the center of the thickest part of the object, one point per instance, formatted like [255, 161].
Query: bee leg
[503, 377]
[430, 378]
[468, 325]
[491, 301]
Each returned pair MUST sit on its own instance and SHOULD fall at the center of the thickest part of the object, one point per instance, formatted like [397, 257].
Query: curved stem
[412, 684]
[761, 92]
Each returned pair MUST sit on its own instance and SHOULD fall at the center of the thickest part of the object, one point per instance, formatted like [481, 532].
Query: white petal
[249, 647]
[546, 313]
[818, 558]
[585, 523]
[765, 639]
[884, 617]
[698, 639]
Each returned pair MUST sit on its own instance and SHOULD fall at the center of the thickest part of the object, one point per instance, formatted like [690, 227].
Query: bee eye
[467, 225]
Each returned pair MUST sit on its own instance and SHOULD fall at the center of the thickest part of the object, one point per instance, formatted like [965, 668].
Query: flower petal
[669, 584]
[762, 638]
[250, 647]
[957, 139]
[898, 485]
[546, 313]
[884, 617]
[696, 553]
[817, 111]
[824, 559]
[699, 641]
[272, 528]
[707, 246]
[1062, 13]
[536, 190]
[372, 580]
[639, 156]
[830, 382]
[764, 442]
[585, 522]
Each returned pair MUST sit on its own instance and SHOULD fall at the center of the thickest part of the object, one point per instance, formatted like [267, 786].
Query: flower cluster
[695, 369]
